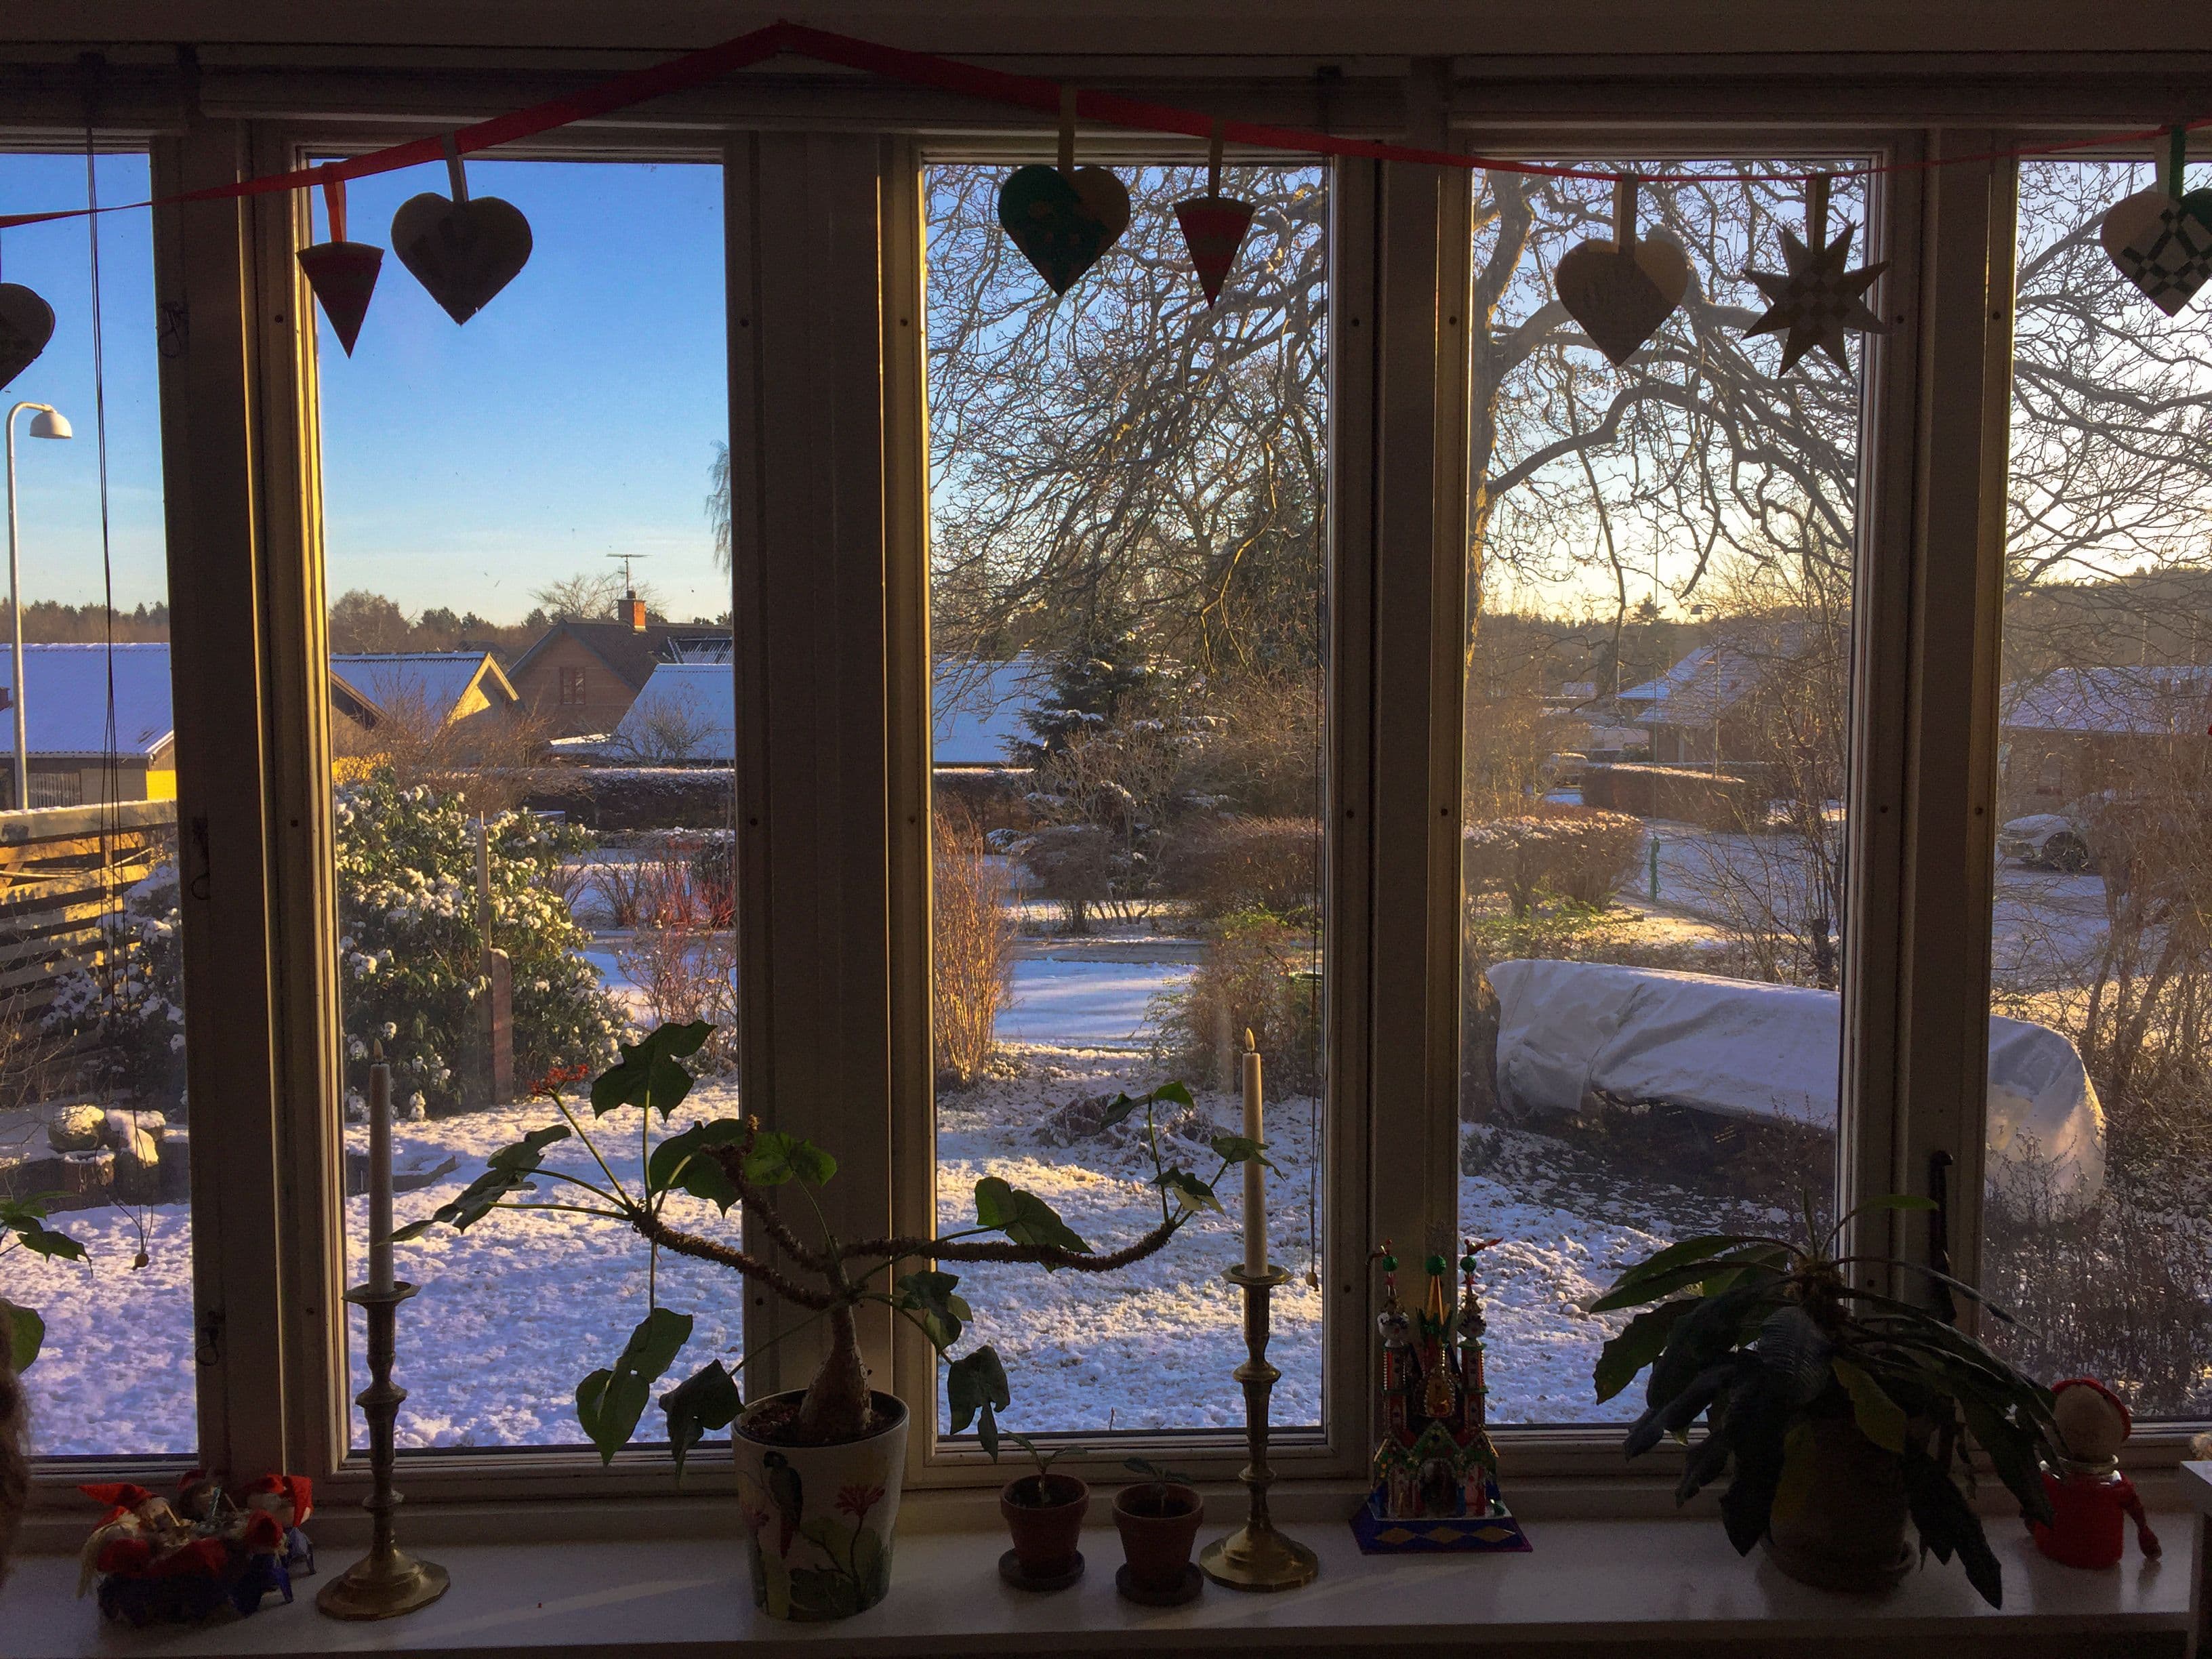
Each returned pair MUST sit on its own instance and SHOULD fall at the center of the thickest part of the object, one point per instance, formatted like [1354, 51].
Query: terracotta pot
[1849, 1535]
[1159, 1524]
[819, 1519]
[1045, 1515]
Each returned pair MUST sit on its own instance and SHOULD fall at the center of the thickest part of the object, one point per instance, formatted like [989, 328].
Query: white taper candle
[1256, 1177]
[380, 1176]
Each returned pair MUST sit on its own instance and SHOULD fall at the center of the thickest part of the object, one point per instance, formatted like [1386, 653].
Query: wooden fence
[62, 867]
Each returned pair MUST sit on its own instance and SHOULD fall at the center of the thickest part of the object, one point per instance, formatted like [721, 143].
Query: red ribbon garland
[988, 85]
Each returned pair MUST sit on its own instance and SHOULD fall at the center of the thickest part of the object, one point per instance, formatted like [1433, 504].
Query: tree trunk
[836, 1404]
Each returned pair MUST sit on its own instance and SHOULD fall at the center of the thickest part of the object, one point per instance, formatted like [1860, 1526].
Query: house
[450, 687]
[1692, 710]
[2075, 731]
[687, 715]
[80, 748]
[977, 718]
[581, 678]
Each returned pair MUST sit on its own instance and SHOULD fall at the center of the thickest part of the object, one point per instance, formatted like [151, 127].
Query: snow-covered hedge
[135, 1012]
[1686, 794]
[1573, 851]
[1237, 864]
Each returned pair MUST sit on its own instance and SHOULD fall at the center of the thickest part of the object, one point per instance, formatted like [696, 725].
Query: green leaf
[34, 1235]
[2012, 1452]
[1187, 1190]
[975, 1391]
[928, 1296]
[1674, 1415]
[1117, 1110]
[707, 1399]
[508, 1169]
[1700, 1248]
[1758, 1414]
[1024, 1217]
[777, 1158]
[25, 1331]
[1241, 1149]
[680, 1164]
[1880, 1419]
[1630, 1291]
[1176, 1093]
[1948, 1523]
[649, 1073]
[1705, 1336]
[1642, 1341]
[14, 1210]
[609, 1402]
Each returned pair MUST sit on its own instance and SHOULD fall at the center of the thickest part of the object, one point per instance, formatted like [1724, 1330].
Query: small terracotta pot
[1159, 1524]
[1045, 1515]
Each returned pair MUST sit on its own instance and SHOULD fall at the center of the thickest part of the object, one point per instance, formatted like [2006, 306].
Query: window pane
[1660, 568]
[1128, 616]
[529, 623]
[92, 1078]
[2100, 1095]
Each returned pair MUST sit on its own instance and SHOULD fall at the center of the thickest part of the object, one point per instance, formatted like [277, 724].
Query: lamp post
[48, 422]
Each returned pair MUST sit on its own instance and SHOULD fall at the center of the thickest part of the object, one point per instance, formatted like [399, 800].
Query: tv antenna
[629, 582]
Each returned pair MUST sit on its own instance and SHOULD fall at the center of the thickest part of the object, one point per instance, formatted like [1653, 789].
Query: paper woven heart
[464, 253]
[1063, 222]
[2162, 245]
[342, 274]
[1620, 296]
[27, 323]
[1213, 229]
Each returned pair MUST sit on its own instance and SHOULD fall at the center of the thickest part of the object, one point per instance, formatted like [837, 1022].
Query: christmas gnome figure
[2088, 1494]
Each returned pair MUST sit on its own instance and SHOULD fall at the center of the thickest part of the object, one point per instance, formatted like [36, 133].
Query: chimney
[634, 608]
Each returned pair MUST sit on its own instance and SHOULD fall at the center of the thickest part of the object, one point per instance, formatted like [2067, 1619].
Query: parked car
[2046, 840]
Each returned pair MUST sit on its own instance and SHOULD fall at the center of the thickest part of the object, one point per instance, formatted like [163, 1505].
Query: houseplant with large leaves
[819, 1468]
[1837, 1411]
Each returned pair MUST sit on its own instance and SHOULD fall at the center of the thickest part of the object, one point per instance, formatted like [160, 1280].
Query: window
[1129, 617]
[1662, 558]
[499, 918]
[93, 1108]
[2101, 967]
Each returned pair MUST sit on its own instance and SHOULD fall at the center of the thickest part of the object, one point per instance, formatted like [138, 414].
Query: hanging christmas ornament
[27, 323]
[2161, 239]
[464, 252]
[1063, 218]
[340, 274]
[1818, 299]
[1621, 291]
[1213, 225]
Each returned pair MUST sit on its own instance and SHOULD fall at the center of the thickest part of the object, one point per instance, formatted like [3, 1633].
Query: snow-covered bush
[411, 946]
[1257, 976]
[132, 1009]
[1573, 853]
[971, 945]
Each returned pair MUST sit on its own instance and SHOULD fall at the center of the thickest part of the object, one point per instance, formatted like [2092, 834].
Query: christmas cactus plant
[731, 1161]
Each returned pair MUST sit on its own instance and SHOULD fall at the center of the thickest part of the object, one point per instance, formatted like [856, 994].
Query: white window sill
[1674, 1580]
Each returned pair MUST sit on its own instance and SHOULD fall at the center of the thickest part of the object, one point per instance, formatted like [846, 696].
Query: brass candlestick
[1256, 1557]
[387, 1581]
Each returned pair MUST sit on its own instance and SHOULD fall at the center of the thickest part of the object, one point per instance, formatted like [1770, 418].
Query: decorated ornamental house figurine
[1436, 1470]
[2089, 1495]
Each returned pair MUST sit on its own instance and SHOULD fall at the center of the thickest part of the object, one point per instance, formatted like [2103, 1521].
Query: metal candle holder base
[1256, 1557]
[387, 1581]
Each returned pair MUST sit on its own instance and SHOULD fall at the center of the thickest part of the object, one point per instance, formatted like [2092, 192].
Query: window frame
[240, 457]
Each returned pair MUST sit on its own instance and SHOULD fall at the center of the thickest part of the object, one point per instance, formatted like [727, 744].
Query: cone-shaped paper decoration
[1062, 222]
[342, 276]
[27, 323]
[1213, 229]
[463, 251]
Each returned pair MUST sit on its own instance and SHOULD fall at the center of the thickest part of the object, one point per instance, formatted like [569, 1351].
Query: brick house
[582, 676]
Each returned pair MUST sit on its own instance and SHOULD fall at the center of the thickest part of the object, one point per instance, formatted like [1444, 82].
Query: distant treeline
[46, 622]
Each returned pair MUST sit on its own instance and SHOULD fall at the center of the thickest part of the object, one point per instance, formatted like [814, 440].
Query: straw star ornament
[1817, 299]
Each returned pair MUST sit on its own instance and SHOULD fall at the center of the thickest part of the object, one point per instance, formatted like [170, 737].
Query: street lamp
[48, 422]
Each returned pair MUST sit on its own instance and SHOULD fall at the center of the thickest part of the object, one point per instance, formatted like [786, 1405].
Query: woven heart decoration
[2162, 243]
[27, 323]
[1063, 222]
[1621, 291]
[341, 275]
[463, 251]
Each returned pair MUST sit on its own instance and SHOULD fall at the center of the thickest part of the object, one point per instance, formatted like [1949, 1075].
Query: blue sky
[574, 417]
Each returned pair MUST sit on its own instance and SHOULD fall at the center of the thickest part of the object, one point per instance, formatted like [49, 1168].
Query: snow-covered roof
[65, 699]
[979, 707]
[687, 711]
[2153, 700]
[438, 681]
[1705, 685]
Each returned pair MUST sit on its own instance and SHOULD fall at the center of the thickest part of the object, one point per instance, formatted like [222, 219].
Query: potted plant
[1044, 1512]
[1158, 1519]
[819, 1468]
[1840, 1410]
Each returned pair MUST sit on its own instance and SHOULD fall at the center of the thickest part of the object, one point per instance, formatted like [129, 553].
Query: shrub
[1243, 864]
[686, 969]
[1572, 852]
[1257, 975]
[971, 945]
[1714, 800]
[1073, 864]
[134, 1011]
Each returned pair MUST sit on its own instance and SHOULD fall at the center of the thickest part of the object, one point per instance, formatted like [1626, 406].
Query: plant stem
[621, 1193]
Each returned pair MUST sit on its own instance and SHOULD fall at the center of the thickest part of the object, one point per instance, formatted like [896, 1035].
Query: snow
[1085, 1005]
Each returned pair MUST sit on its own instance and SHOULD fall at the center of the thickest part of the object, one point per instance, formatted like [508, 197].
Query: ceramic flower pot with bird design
[818, 1519]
